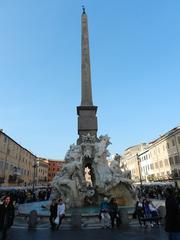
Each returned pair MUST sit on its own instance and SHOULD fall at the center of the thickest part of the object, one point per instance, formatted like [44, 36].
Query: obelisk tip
[84, 10]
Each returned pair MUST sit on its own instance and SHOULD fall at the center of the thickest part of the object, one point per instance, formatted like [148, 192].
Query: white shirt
[61, 209]
[152, 207]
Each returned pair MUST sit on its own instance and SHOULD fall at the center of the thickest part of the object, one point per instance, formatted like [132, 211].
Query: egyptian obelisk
[87, 120]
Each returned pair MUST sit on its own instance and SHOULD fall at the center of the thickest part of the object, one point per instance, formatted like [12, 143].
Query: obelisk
[87, 120]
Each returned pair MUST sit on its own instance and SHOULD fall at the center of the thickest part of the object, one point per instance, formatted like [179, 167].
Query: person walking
[172, 225]
[6, 216]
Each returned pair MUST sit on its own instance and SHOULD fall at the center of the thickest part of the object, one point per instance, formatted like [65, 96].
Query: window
[165, 162]
[161, 164]
[178, 139]
[156, 164]
[171, 161]
[151, 166]
[167, 145]
[177, 160]
[173, 142]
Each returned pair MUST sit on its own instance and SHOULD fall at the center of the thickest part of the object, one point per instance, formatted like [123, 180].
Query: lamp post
[139, 168]
[34, 174]
[6, 160]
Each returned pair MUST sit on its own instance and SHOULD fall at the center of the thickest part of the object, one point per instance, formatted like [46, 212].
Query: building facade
[54, 166]
[19, 167]
[159, 161]
[42, 171]
[16, 163]
[130, 159]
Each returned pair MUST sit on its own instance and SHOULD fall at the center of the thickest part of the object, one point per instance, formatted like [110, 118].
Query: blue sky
[135, 63]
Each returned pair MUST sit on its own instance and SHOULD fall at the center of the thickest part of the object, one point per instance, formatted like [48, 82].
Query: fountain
[107, 180]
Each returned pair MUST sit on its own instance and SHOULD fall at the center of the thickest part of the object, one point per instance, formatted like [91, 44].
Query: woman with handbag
[60, 213]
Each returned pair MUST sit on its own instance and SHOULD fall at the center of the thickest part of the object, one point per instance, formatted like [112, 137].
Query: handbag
[56, 221]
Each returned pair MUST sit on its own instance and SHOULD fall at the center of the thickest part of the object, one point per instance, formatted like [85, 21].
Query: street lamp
[139, 168]
[34, 174]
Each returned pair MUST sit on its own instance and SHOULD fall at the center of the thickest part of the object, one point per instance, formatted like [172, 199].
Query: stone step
[86, 223]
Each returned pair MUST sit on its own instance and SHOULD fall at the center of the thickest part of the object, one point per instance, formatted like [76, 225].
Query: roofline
[165, 135]
[1, 132]
[135, 146]
[51, 160]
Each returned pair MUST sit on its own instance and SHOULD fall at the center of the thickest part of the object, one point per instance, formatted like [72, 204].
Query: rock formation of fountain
[107, 180]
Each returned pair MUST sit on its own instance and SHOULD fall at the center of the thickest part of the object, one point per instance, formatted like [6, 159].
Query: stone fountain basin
[26, 208]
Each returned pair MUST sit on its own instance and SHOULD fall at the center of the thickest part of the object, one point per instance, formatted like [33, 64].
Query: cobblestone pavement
[128, 233]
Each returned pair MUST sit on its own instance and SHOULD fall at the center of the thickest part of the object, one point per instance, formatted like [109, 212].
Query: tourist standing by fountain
[104, 213]
[113, 211]
[6, 216]
[60, 212]
[53, 213]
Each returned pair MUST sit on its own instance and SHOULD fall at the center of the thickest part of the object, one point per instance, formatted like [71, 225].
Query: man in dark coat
[6, 216]
[172, 215]
[114, 213]
[53, 213]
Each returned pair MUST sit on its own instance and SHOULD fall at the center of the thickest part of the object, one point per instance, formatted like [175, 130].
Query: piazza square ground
[124, 233]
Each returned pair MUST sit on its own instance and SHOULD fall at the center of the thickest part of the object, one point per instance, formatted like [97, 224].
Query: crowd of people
[146, 212]
[27, 195]
[7, 214]
[109, 214]
[155, 191]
